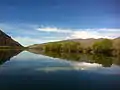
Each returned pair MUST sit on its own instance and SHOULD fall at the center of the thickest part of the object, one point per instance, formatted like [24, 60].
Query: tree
[52, 47]
[104, 46]
[116, 47]
[64, 46]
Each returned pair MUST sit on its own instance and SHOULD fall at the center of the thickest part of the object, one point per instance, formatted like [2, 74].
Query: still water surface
[23, 70]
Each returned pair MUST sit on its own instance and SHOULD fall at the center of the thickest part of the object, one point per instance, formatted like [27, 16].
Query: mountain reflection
[106, 61]
[6, 55]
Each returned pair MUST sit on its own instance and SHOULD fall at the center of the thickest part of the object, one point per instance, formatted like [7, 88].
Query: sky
[39, 21]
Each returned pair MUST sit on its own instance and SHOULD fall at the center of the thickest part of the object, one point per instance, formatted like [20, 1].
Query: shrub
[104, 46]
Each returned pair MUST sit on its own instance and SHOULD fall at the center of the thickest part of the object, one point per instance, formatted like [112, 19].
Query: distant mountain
[7, 41]
[84, 42]
[116, 43]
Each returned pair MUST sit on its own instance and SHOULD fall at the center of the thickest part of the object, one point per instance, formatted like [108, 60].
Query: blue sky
[39, 21]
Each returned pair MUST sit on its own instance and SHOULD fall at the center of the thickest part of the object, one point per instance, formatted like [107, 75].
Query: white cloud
[28, 34]
[86, 66]
[69, 34]
[54, 29]
[109, 29]
[92, 34]
[85, 33]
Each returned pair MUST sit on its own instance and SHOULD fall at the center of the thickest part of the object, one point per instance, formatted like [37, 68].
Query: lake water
[23, 70]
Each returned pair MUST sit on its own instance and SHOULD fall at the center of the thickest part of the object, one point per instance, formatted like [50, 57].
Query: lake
[33, 70]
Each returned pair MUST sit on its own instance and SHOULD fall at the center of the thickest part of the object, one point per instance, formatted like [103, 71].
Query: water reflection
[28, 71]
[106, 61]
[6, 55]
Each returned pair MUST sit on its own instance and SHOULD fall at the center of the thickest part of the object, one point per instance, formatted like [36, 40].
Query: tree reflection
[106, 61]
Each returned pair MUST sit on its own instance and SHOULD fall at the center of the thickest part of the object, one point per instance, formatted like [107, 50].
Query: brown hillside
[6, 40]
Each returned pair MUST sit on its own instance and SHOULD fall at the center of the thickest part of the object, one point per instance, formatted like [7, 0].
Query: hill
[84, 42]
[101, 45]
[7, 42]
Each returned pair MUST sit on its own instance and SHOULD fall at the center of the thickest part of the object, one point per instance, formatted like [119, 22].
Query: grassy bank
[9, 48]
[105, 46]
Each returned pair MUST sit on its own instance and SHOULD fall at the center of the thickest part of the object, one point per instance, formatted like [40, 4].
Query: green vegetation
[10, 47]
[67, 46]
[104, 46]
[94, 46]
[116, 47]
[67, 56]
[104, 60]
[104, 51]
